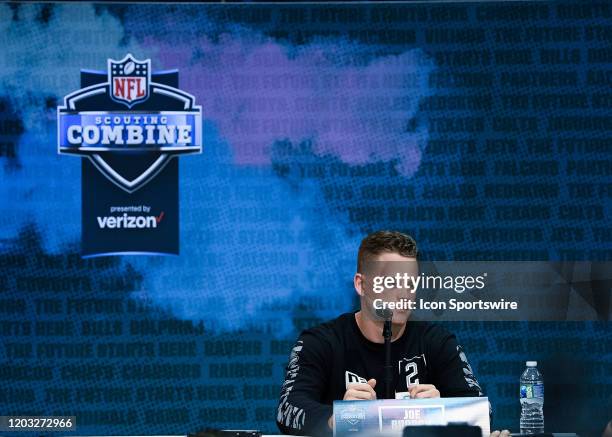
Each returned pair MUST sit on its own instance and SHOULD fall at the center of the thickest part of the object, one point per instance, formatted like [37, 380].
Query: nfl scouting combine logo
[129, 122]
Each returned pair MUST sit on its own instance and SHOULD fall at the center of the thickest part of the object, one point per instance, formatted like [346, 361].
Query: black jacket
[326, 358]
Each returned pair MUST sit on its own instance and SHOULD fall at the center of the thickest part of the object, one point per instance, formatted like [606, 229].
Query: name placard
[389, 417]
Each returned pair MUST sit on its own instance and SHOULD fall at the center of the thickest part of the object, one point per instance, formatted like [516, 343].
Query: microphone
[387, 315]
[384, 313]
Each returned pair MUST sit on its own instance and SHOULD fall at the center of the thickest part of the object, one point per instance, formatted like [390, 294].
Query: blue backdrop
[482, 129]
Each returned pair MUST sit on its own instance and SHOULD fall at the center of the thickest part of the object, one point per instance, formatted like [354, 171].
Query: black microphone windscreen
[384, 313]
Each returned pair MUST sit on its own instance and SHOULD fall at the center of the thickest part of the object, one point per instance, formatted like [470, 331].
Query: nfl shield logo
[129, 80]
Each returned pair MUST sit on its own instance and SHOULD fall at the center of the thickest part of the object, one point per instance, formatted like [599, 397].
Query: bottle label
[530, 391]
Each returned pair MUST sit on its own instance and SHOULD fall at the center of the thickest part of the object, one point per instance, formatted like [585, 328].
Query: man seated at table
[344, 358]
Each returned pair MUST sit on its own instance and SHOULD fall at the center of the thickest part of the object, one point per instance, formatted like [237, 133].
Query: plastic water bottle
[532, 400]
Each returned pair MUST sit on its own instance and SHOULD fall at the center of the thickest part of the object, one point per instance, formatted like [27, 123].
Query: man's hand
[504, 433]
[421, 391]
[361, 392]
[331, 422]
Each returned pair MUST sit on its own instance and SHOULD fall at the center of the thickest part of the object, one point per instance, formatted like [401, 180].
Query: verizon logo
[129, 221]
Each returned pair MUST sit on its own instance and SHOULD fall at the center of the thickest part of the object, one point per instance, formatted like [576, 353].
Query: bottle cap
[532, 363]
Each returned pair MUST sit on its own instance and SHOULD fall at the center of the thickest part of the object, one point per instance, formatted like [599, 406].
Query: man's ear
[358, 283]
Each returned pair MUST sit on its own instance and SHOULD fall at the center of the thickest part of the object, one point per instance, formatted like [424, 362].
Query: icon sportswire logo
[126, 221]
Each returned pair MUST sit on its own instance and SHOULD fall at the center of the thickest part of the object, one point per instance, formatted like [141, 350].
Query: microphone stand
[388, 367]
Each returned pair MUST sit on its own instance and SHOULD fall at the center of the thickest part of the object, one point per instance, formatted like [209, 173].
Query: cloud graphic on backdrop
[252, 249]
[337, 94]
[40, 64]
[257, 92]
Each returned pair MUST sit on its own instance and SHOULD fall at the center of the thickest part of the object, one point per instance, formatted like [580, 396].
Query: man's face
[387, 279]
